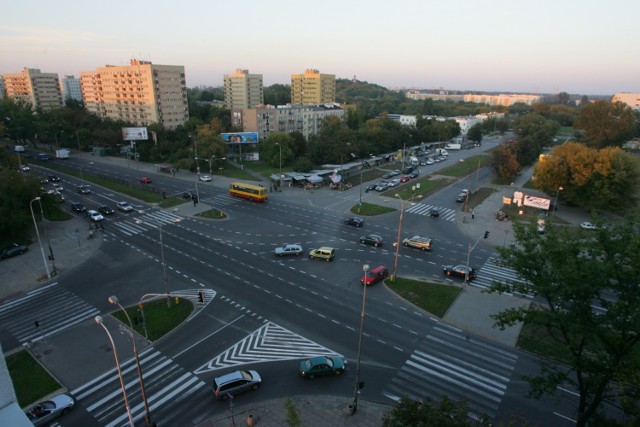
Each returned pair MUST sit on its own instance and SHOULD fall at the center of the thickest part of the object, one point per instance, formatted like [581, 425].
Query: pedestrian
[473, 214]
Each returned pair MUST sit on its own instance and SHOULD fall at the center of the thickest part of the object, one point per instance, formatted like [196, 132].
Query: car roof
[378, 269]
[325, 248]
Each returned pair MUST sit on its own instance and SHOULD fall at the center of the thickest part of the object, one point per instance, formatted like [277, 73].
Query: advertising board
[240, 137]
[134, 134]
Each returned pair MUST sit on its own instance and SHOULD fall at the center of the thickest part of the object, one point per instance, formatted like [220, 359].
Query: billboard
[134, 134]
[240, 137]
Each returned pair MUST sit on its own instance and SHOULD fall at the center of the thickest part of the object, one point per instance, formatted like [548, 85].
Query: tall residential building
[306, 119]
[141, 93]
[243, 90]
[71, 88]
[3, 91]
[313, 88]
[631, 99]
[41, 90]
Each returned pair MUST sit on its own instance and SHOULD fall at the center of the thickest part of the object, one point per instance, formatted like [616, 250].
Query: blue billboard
[240, 137]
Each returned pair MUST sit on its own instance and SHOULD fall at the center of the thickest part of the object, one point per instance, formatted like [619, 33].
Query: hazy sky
[547, 46]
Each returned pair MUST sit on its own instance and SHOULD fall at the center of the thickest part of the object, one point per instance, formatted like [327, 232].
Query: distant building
[41, 90]
[306, 119]
[631, 99]
[420, 96]
[503, 99]
[141, 93]
[243, 90]
[465, 123]
[71, 89]
[313, 88]
[3, 91]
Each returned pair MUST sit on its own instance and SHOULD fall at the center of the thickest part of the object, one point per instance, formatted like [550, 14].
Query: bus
[256, 193]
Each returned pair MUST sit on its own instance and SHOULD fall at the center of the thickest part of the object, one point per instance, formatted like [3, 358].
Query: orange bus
[256, 193]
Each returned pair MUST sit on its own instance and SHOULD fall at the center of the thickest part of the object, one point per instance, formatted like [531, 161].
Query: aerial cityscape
[286, 214]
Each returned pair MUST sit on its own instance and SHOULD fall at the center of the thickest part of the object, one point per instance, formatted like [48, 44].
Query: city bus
[256, 193]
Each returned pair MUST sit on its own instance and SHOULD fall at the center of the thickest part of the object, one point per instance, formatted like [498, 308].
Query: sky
[583, 47]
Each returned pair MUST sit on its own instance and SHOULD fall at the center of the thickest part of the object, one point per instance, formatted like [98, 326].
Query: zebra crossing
[491, 272]
[44, 312]
[450, 363]
[446, 214]
[270, 342]
[144, 222]
[165, 383]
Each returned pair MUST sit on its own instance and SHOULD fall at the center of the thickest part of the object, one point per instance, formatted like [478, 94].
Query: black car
[372, 239]
[106, 210]
[407, 170]
[84, 189]
[53, 178]
[370, 187]
[414, 174]
[434, 213]
[13, 250]
[78, 207]
[460, 271]
[355, 221]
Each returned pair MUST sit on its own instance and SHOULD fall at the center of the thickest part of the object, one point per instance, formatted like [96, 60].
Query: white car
[394, 182]
[45, 412]
[95, 216]
[24, 168]
[57, 187]
[205, 178]
[588, 226]
[124, 206]
[289, 250]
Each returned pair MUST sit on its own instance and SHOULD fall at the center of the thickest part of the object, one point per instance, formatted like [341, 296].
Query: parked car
[205, 178]
[84, 189]
[372, 239]
[408, 169]
[394, 182]
[234, 383]
[414, 174]
[395, 172]
[370, 187]
[289, 250]
[45, 412]
[54, 178]
[588, 226]
[323, 252]
[387, 175]
[429, 161]
[374, 276]
[78, 207]
[95, 216]
[382, 186]
[124, 206]
[12, 250]
[460, 271]
[405, 179]
[355, 221]
[24, 168]
[106, 210]
[422, 243]
[322, 365]
[145, 180]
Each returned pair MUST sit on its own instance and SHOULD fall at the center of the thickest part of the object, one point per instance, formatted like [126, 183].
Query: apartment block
[70, 87]
[306, 119]
[39, 89]
[421, 96]
[631, 99]
[503, 99]
[313, 88]
[141, 93]
[243, 90]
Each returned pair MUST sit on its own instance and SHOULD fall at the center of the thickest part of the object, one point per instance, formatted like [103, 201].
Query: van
[19, 148]
[324, 252]
[234, 383]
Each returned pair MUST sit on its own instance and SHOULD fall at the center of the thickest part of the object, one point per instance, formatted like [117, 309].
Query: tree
[475, 133]
[446, 413]
[568, 275]
[505, 163]
[604, 124]
[563, 98]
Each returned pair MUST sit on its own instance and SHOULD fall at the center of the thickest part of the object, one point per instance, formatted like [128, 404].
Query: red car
[405, 179]
[374, 276]
[145, 180]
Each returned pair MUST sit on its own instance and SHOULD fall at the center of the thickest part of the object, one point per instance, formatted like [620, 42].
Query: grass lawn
[368, 209]
[30, 380]
[212, 214]
[432, 297]
[160, 319]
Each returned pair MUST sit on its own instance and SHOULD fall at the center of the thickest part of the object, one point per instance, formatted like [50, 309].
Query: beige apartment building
[243, 90]
[141, 93]
[631, 99]
[312, 88]
[502, 99]
[41, 90]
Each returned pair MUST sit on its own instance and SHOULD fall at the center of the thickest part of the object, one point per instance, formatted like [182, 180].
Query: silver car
[45, 412]
[235, 382]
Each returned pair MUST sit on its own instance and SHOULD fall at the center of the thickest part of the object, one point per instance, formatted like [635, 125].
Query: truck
[62, 154]
[453, 146]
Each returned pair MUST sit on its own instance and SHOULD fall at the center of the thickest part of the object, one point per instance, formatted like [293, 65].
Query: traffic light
[201, 297]
[486, 234]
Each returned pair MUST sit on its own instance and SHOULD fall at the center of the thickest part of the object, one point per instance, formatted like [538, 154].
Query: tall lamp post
[100, 322]
[395, 263]
[81, 168]
[210, 161]
[466, 199]
[44, 259]
[555, 200]
[354, 405]
[114, 301]
[280, 176]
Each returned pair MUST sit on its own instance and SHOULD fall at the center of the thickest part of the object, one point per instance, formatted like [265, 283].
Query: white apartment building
[70, 87]
[41, 90]
[631, 99]
[243, 90]
[503, 99]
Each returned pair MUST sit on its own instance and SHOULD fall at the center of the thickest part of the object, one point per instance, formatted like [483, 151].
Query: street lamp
[210, 161]
[114, 301]
[44, 232]
[466, 199]
[44, 259]
[555, 200]
[280, 176]
[395, 263]
[100, 322]
[354, 405]
[82, 167]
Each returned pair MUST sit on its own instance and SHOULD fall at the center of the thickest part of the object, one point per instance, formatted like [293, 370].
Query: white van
[19, 148]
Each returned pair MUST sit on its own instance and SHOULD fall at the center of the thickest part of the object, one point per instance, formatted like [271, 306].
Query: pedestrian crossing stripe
[268, 343]
[447, 214]
[147, 221]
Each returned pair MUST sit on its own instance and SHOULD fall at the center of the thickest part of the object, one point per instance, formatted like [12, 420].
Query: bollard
[177, 300]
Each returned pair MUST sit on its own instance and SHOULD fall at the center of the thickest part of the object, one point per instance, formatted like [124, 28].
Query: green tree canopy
[604, 124]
